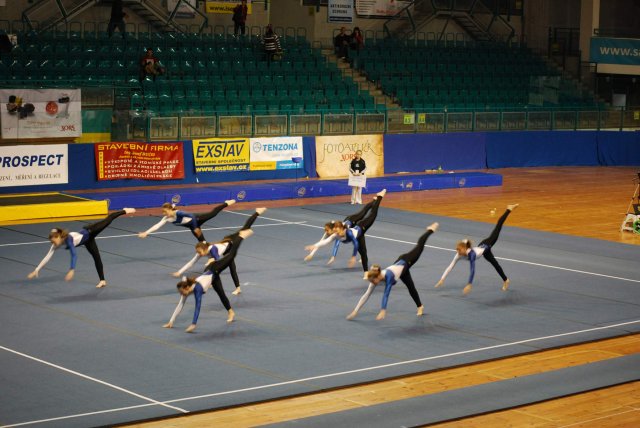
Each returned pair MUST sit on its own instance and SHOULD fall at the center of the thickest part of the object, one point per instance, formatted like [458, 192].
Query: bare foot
[261, 210]
[101, 284]
[244, 234]
[512, 207]
[420, 311]
[231, 316]
[236, 291]
[433, 226]
[129, 210]
[382, 193]
[230, 202]
[466, 290]
[505, 285]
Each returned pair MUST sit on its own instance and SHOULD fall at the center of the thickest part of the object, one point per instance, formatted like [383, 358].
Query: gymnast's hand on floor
[176, 274]
[352, 262]
[439, 284]
[168, 325]
[190, 328]
[381, 314]
[69, 275]
[142, 235]
[331, 260]
[33, 274]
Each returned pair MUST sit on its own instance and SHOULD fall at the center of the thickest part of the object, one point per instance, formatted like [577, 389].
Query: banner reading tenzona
[30, 165]
[334, 154]
[221, 154]
[40, 113]
[158, 161]
[275, 153]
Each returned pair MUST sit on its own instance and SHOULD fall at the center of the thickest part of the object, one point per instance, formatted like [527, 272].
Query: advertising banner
[609, 50]
[158, 161]
[334, 154]
[34, 165]
[40, 113]
[221, 154]
[275, 153]
[340, 11]
[380, 7]
[225, 6]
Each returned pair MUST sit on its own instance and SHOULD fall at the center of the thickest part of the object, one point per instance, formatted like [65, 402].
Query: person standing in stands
[357, 168]
[356, 40]
[341, 44]
[240, 18]
[117, 19]
[270, 43]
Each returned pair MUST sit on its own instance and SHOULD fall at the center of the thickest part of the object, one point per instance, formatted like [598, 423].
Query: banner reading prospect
[158, 161]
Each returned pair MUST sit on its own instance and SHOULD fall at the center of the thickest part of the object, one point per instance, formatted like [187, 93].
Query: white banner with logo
[34, 165]
[40, 113]
[340, 11]
[275, 153]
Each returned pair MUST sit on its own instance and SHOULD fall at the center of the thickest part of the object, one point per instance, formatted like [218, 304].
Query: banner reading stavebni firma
[141, 161]
[40, 113]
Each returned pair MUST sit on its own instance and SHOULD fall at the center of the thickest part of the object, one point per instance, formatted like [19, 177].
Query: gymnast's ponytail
[58, 232]
[373, 272]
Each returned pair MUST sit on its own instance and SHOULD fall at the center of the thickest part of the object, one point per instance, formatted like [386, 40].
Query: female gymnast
[86, 237]
[465, 249]
[210, 278]
[398, 270]
[219, 249]
[183, 218]
[356, 234]
[329, 236]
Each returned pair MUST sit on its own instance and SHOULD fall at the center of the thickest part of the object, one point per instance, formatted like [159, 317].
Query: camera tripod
[633, 210]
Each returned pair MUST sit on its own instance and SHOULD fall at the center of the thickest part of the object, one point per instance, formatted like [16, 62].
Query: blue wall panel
[619, 148]
[541, 148]
[420, 152]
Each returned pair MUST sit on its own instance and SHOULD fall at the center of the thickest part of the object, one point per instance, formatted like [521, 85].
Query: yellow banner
[334, 154]
[221, 154]
[225, 6]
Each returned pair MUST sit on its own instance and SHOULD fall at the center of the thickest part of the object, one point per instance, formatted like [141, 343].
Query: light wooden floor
[582, 201]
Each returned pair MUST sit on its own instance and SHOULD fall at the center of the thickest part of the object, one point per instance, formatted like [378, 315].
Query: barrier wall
[402, 153]
[420, 152]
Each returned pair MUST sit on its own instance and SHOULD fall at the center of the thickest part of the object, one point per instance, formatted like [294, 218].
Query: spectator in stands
[341, 43]
[271, 43]
[150, 66]
[356, 40]
[240, 18]
[117, 18]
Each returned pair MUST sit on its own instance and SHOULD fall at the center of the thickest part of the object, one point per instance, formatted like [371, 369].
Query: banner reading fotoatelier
[34, 165]
[221, 154]
[334, 154]
[225, 6]
[275, 153]
[40, 113]
[157, 161]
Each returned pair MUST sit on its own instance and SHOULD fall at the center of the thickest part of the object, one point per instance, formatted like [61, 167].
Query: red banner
[157, 161]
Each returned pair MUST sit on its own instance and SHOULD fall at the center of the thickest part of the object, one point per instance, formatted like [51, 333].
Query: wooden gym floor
[582, 201]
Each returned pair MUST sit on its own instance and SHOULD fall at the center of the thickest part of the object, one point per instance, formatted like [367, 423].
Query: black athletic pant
[410, 258]
[232, 265]
[354, 218]
[202, 218]
[91, 246]
[365, 224]
[221, 264]
[491, 241]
